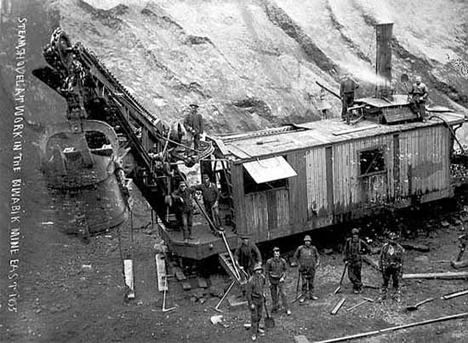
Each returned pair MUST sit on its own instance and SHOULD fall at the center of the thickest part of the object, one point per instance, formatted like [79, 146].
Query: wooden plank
[301, 339]
[128, 271]
[394, 328]
[329, 176]
[180, 276]
[395, 193]
[238, 196]
[186, 286]
[443, 275]
[202, 283]
[353, 130]
[161, 272]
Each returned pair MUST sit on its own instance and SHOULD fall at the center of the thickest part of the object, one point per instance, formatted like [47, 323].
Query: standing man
[352, 255]
[255, 298]
[183, 202]
[391, 265]
[210, 195]
[308, 260]
[194, 124]
[275, 270]
[418, 98]
[247, 255]
[347, 88]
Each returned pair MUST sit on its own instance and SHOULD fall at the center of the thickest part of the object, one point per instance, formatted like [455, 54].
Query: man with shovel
[308, 260]
[255, 298]
[352, 256]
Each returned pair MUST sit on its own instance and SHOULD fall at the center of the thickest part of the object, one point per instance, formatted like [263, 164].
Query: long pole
[394, 328]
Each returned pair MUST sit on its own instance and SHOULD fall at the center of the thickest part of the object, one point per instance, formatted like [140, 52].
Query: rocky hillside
[250, 64]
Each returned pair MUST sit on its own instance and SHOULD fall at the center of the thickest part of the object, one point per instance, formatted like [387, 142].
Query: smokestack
[384, 60]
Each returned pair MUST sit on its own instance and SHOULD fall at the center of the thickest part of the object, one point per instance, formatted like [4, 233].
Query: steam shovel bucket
[415, 307]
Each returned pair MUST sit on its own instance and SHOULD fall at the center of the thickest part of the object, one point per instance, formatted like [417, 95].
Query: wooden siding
[316, 178]
[297, 185]
[424, 160]
[351, 191]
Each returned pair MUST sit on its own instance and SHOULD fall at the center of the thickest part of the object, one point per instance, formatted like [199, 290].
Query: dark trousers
[387, 273]
[419, 107]
[185, 219]
[307, 278]
[196, 140]
[256, 314]
[213, 213]
[354, 275]
[346, 101]
[277, 290]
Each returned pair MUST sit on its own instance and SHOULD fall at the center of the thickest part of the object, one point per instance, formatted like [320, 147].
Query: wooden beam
[445, 275]
[128, 268]
[356, 129]
[338, 306]
[161, 272]
[455, 294]
[394, 328]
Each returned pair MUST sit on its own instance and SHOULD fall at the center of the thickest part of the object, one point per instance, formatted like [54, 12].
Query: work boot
[313, 297]
[302, 300]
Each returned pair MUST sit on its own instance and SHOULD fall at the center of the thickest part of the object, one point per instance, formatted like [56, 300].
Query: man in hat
[247, 254]
[255, 298]
[275, 269]
[347, 88]
[194, 124]
[418, 95]
[183, 201]
[391, 265]
[210, 195]
[308, 260]
[352, 256]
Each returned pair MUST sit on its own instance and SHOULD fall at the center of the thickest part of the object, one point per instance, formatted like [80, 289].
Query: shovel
[269, 321]
[341, 280]
[415, 307]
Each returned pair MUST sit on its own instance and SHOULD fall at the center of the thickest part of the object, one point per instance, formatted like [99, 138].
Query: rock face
[249, 64]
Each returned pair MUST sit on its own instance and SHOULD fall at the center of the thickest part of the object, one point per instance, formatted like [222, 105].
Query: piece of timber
[180, 276]
[444, 275]
[454, 294]
[161, 272]
[128, 269]
[394, 328]
[357, 129]
[338, 306]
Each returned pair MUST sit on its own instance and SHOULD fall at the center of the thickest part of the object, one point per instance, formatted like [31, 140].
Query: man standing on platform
[247, 254]
[183, 202]
[210, 195]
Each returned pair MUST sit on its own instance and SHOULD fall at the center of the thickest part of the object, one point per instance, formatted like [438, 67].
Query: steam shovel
[415, 307]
